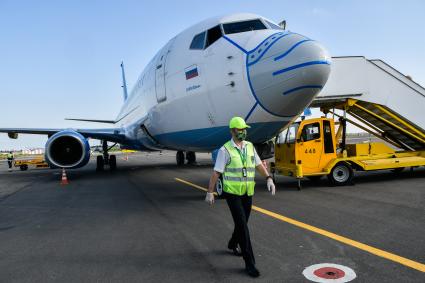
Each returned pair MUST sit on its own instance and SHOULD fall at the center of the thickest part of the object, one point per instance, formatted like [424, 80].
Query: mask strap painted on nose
[235, 44]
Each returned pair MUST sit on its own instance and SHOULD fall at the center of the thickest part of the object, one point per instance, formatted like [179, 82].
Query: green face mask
[241, 135]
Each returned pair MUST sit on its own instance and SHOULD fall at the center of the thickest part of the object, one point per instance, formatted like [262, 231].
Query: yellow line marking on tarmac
[378, 252]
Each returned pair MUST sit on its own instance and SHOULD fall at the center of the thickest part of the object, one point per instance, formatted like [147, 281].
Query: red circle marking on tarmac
[329, 273]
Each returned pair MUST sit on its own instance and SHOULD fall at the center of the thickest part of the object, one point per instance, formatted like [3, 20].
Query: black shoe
[236, 250]
[252, 271]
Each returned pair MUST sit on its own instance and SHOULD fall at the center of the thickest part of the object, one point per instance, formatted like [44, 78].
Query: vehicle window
[213, 35]
[310, 132]
[243, 26]
[198, 41]
[273, 26]
[281, 137]
[291, 134]
[327, 137]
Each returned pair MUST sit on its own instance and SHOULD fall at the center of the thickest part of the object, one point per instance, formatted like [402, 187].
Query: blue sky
[61, 58]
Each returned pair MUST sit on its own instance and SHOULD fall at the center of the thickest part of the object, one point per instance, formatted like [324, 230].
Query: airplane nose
[286, 71]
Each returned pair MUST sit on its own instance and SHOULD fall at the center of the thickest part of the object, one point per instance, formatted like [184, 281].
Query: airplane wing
[111, 134]
[92, 120]
[103, 121]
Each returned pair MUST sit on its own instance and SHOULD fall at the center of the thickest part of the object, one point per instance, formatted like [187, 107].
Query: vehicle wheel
[99, 163]
[23, 167]
[180, 158]
[191, 157]
[341, 174]
[112, 162]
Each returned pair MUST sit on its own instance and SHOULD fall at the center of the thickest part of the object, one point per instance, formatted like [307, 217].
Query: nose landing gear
[106, 159]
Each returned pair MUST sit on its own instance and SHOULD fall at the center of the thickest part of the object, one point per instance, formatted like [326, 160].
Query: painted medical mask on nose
[241, 135]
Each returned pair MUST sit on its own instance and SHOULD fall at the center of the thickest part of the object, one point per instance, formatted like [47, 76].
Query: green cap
[238, 123]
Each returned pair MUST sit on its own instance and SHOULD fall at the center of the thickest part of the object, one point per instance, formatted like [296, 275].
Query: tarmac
[148, 222]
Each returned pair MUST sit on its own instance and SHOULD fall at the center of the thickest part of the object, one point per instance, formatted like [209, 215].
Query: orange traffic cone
[64, 178]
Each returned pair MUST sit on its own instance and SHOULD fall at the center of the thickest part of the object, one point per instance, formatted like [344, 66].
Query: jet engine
[67, 149]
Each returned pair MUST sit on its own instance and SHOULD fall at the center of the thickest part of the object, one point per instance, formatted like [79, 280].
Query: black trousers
[9, 162]
[240, 207]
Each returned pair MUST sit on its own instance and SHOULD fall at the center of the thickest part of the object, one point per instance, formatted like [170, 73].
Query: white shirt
[223, 157]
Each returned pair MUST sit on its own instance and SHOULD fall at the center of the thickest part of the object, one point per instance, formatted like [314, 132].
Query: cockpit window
[213, 34]
[243, 26]
[198, 41]
[273, 26]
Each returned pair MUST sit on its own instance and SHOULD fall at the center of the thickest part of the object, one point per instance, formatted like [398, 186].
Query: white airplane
[235, 65]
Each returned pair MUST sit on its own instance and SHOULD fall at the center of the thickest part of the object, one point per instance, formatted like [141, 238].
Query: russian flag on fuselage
[191, 72]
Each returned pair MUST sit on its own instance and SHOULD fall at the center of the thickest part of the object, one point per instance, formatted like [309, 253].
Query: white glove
[209, 198]
[270, 186]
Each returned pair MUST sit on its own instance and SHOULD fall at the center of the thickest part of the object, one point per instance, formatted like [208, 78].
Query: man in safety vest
[237, 161]
[10, 158]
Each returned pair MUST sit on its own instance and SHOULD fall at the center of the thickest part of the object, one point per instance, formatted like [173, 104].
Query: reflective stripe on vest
[233, 180]
[235, 170]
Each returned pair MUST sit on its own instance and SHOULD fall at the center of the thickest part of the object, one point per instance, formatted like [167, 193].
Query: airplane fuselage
[191, 88]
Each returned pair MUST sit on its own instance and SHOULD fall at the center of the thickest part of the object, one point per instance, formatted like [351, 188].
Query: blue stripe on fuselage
[208, 139]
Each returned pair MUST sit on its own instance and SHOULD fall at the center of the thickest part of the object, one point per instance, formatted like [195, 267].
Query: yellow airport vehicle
[37, 162]
[313, 148]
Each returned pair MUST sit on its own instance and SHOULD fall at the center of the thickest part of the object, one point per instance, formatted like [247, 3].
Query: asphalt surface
[139, 224]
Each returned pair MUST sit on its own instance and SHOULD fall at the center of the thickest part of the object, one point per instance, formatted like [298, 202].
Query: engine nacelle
[67, 149]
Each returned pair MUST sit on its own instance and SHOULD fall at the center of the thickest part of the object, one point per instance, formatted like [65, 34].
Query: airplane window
[273, 26]
[213, 35]
[243, 26]
[198, 41]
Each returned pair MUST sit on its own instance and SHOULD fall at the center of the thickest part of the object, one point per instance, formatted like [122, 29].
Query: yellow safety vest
[9, 156]
[234, 181]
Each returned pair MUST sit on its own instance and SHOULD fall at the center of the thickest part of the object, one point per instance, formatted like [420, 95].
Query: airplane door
[161, 72]
[310, 147]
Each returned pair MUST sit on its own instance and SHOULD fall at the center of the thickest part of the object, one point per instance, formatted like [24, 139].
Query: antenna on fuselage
[124, 84]
[282, 24]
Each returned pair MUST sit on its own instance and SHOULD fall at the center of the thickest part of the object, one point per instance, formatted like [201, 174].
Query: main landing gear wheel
[100, 164]
[191, 157]
[341, 174]
[112, 162]
[180, 158]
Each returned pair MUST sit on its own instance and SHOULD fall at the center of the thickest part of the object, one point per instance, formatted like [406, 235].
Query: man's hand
[209, 198]
[270, 186]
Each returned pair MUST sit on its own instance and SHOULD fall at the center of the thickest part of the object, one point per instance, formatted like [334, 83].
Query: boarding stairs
[390, 104]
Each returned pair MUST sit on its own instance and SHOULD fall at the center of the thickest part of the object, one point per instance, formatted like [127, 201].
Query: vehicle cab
[306, 148]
